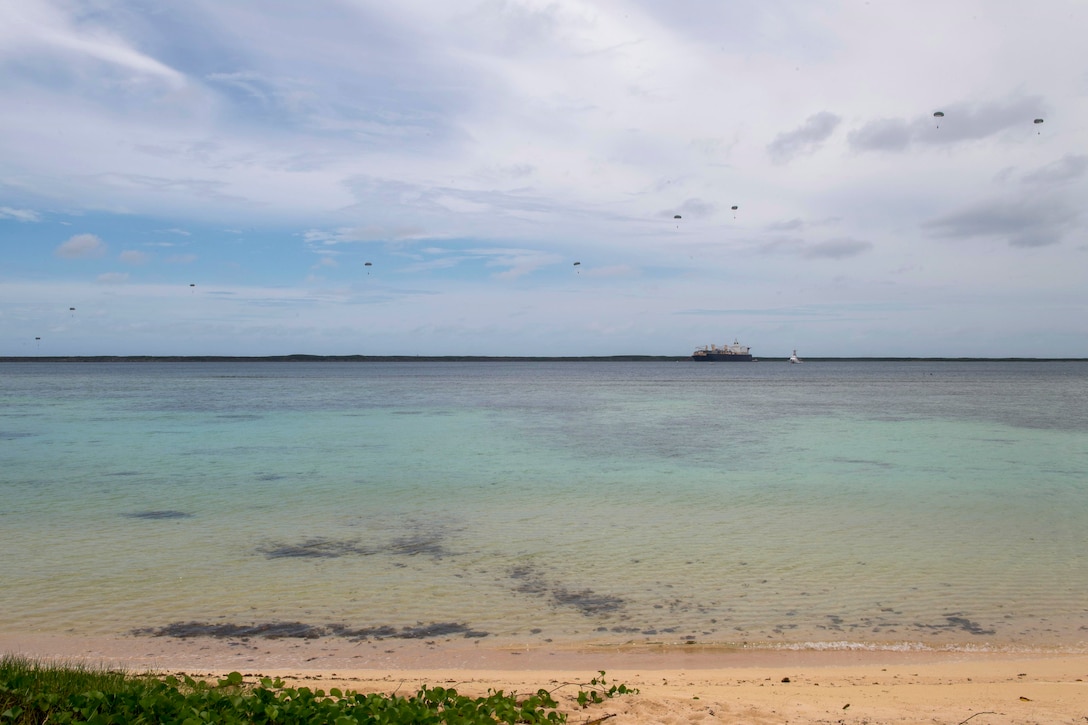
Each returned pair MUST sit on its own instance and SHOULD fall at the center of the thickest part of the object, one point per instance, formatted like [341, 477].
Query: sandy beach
[676, 684]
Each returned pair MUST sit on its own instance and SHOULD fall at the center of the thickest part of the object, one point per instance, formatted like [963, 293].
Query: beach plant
[33, 694]
[599, 689]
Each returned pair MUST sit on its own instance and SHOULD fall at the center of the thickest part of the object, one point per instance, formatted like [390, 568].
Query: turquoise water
[832, 504]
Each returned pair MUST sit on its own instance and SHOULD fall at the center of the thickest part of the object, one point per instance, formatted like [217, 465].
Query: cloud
[517, 262]
[48, 31]
[522, 136]
[837, 249]
[113, 278]
[1067, 168]
[614, 270]
[81, 246]
[695, 208]
[885, 134]
[205, 189]
[840, 248]
[371, 233]
[961, 122]
[22, 215]
[134, 256]
[790, 225]
[292, 98]
[437, 263]
[806, 139]
[1030, 222]
[253, 84]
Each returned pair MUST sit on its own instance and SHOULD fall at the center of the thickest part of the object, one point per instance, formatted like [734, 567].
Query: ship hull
[719, 357]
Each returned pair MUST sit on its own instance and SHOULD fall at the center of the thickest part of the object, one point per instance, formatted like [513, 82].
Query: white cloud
[515, 262]
[487, 147]
[81, 246]
[39, 27]
[371, 233]
[22, 215]
[113, 278]
[134, 256]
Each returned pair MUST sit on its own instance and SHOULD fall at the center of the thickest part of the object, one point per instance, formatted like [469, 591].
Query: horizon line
[303, 357]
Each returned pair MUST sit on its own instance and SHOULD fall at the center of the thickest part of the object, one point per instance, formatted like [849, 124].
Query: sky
[543, 177]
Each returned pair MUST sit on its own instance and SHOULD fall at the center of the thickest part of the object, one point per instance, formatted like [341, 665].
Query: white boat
[795, 359]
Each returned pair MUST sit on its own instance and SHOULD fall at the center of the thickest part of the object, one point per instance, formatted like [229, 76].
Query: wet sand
[676, 684]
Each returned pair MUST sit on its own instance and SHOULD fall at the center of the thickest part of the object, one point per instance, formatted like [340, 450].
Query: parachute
[576, 266]
[734, 208]
[368, 264]
[1038, 120]
[938, 115]
[71, 309]
[676, 216]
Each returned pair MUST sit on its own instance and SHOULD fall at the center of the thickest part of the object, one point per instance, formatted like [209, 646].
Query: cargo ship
[726, 353]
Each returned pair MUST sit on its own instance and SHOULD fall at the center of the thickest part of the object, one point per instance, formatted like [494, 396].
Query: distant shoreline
[482, 358]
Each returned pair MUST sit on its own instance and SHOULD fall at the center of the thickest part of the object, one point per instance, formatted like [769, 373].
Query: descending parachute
[734, 208]
[938, 115]
[676, 216]
[368, 264]
[1037, 122]
[71, 309]
[576, 266]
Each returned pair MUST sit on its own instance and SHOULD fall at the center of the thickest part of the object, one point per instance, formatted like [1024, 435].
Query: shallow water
[833, 504]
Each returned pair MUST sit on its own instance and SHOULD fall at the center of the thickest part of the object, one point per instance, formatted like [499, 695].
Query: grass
[35, 693]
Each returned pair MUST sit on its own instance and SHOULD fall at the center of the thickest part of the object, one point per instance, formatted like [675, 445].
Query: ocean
[830, 505]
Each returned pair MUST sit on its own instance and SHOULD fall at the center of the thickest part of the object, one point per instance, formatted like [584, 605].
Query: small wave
[850, 646]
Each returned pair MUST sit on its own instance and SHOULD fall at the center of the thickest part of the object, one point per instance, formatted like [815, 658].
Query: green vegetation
[35, 693]
[597, 691]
